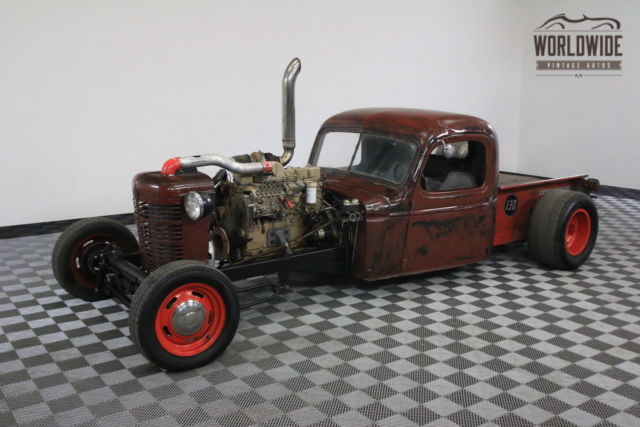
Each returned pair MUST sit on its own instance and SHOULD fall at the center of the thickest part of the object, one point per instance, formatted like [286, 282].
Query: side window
[463, 167]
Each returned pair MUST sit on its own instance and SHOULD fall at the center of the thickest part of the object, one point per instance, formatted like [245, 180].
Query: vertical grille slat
[160, 232]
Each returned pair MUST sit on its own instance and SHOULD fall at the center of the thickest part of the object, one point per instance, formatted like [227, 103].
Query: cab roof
[421, 124]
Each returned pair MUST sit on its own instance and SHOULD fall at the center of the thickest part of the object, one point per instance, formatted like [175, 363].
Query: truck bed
[506, 179]
[517, 195]
[511, 181]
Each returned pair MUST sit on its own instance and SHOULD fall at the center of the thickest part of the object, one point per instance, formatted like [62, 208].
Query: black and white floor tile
[503, 342]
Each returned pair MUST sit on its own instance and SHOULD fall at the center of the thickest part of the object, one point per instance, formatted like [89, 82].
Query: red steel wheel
[563, 228]
[84, 258]
[577, 232]
[76, 254]
[190, 319]
[184, 315]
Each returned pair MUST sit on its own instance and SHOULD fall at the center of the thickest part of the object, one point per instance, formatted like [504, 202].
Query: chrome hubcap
[188, 317]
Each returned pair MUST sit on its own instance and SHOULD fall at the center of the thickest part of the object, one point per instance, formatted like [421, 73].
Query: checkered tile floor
[503, 342]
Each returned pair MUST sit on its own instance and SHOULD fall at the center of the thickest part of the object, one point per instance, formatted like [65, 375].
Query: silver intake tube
[289, 110]
[171, 166]
[224, 162]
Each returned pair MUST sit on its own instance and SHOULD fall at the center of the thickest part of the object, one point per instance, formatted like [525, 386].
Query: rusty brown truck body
[386, 193]
[412, 229]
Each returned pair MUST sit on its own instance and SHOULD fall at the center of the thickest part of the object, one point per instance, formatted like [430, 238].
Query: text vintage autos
[387, 192]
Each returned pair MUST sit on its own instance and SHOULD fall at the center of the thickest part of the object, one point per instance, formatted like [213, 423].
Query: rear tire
[563, 229]
[184, 315]
[75, 254]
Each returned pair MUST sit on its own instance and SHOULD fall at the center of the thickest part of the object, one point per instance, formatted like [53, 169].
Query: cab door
[452, 218]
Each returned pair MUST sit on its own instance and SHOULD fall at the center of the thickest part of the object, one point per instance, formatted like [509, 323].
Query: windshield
[366, 154]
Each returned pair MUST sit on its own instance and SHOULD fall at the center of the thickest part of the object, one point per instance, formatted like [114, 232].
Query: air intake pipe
[171, 166]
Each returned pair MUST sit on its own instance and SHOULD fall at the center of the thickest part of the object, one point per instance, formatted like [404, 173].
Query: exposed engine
[258, 213]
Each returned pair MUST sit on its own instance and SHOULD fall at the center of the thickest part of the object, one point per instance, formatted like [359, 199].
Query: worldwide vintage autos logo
[578, 47]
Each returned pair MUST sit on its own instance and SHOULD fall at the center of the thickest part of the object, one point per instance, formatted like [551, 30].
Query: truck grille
[160, 233]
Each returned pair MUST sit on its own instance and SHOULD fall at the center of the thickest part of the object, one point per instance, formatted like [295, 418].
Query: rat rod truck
[386, 193]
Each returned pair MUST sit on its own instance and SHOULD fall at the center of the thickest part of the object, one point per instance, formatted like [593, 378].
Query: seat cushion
[456, 180]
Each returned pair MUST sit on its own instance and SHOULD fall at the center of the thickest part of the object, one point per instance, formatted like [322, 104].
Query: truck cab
[427, 181]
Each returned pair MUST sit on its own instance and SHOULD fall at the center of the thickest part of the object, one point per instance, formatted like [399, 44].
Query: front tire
[563, 229]
[184, 315]
[75, 256]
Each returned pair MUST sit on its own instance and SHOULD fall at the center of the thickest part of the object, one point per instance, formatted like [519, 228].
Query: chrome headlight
[197, 205]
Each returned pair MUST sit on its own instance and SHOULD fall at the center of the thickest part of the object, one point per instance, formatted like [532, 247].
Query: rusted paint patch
[439, 229]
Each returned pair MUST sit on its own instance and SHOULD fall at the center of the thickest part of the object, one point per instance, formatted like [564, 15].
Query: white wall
[582, 125]
[93, 92]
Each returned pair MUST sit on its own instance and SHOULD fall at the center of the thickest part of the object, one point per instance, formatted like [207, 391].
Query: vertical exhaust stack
[289, 110]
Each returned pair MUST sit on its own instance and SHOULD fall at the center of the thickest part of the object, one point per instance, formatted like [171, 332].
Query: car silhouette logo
[562, 22]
